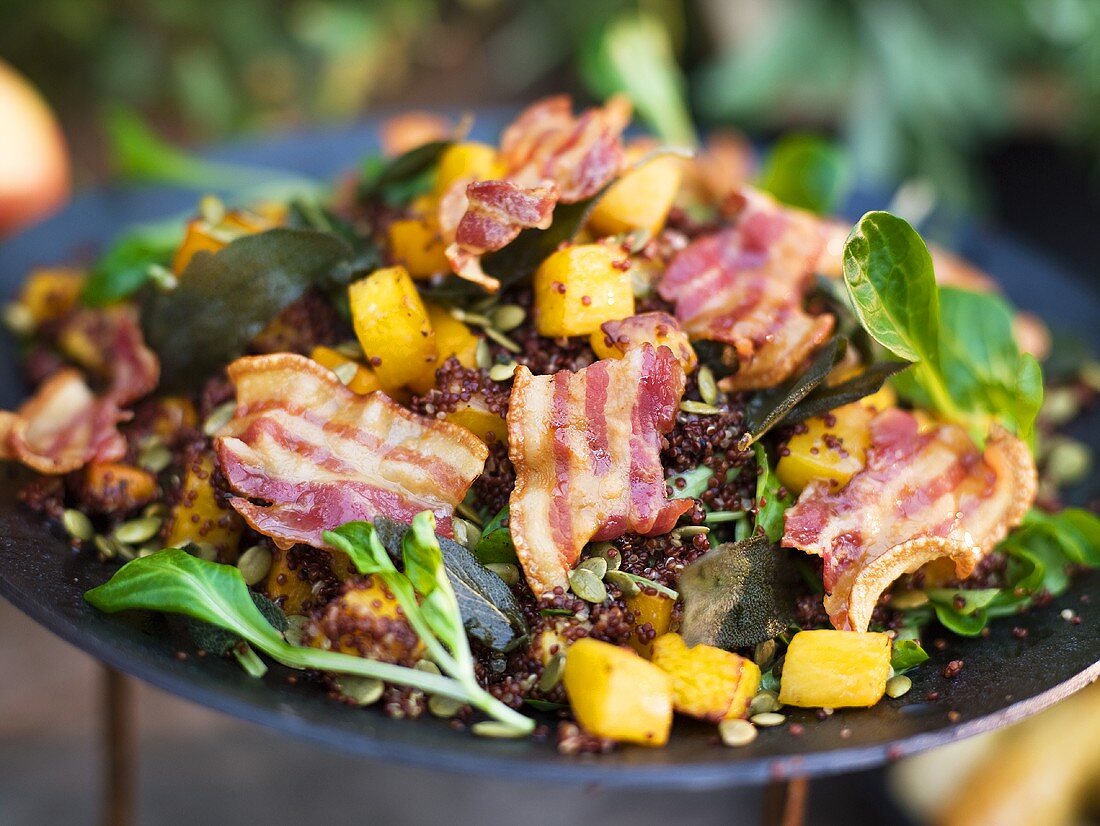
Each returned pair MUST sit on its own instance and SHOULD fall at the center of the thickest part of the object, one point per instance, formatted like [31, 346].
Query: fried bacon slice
[921, 495]
[314, 455]
[743, 286]
[586, 447]
[109, 344]
[550, 156]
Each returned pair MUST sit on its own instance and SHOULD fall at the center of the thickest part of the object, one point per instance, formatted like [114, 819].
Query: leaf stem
[250, 661]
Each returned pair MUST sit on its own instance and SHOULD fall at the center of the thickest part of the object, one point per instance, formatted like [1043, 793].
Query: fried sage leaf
[828, 397]
[400, 179]
[489, 609]
[738, 594]
[225, 299]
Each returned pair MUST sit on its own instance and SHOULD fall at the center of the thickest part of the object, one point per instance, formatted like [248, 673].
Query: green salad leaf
[225, 299]
[220, 642]
[772, 500]
[738, 594]
[906, 655]
[124, 268]
[495, 544]
[807, 171]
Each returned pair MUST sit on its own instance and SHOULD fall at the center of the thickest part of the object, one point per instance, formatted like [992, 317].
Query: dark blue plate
[1004, 679]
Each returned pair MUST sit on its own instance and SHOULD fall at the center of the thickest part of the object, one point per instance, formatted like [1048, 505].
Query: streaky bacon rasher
[744, 286]
[921, 495]
[317, 455]
[586, 447]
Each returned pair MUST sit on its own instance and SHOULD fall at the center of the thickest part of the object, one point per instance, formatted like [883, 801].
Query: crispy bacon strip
[744, 286]
[921, 495]
[108, 342]
[64, 426]
[320, 455]
[586, 447]
[550, 156]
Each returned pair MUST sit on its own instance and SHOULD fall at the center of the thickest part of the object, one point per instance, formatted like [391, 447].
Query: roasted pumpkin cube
[707, 682]
[452, 338]
[652, 618]
[361, 380]
[172, 416]
[465, 161]
[202, 236]
[297, 574]
[115, 487]
[832, 447]
[51, 292]
[392, 325]
[617, 694]
[640, 199]
[835, 669]
[614, 338]
[200, 516]
[476, 417]
[580, 287]
[367, 621]
[415, 243]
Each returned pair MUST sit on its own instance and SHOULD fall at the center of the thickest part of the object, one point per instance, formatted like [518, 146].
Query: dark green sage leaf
[737, 594]
[406, 176]
[826, 397]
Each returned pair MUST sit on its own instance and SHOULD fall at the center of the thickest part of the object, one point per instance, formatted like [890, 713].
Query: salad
[560, 437]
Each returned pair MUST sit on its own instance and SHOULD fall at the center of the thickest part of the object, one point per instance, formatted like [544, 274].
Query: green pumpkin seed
[155, 458]
[158, 509]
[508, 317]
[698, 408]
[503, 340]
[345, 372]
[143, 551]
[427, 666]
[764, 654]
[551, 674]
[108, 548]
[483, 355]
[126, 553]
[692, 530]
[219, 417]
[768, 719]
[1069, 461]
[595, 564]
[587, 585]
[77, 525]
[664, 590]
[607, 552]
[623, 582]
[495, 728]
[708, 387]
[137, 531]
[907, 600]
[503, 372]
[469, 514]
[763, 703]
[1060, 405]
[506, 571]
[254, 564]
[364, 691]
[444, 707]
[163, 277]
[736, 732]
[458, 527]
[203, 550]
[898, 686]
[19, 319]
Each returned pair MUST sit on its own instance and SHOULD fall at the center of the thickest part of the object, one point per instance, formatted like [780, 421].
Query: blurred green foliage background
[911, 87]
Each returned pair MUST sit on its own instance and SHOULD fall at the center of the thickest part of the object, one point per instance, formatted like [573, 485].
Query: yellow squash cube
[616, 694]
[415, 243]
[200, 516]
[580, 287]
[476, 417]
[116, 487]
[835, 669]
[654, 610]
[614, 338]
[203, 237]
[640, 199]
[707, 682]
[452, 338]
[468, 160]
[392, 326]
[50, 292]
[833, 447]
[367, 621]
[363, 381]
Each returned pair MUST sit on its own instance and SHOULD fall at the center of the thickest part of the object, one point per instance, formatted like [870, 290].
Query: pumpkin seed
[108, 548]
[473, 534]
[699, 408]
[624, 583]
[495, 728]
[906, 600]
[212, 209]
[143, 551]
[609, 553]
[155, 509]
[77, 525]
[19, 319]
[350, 349]
[595, 564]
[163, 277]
[507, 317]
[664, 590]
[505, 570]
[295, 631]
[692, 530]
[768, 719]
[445, 707]
[125, 552]
[254, 564]
[469, 514]
[219, 417]
[708, 387]
[503, 372]
[1060, 405]
[1090, 375]
[364, 691]
[898, 685]
[551, 674]
[736, 732]
[154, 458]
[458, 527]
[483, 355]
[763, 703]
[503, 340]
[1069, 461]
[427, 666]
[137, 531]
[346, 372]
[764, 654]
[203, 550]
[587, 585]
